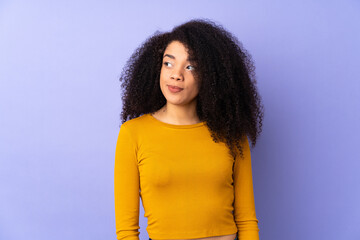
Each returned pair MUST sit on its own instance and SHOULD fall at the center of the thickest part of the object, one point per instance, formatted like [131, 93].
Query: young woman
[189, 103]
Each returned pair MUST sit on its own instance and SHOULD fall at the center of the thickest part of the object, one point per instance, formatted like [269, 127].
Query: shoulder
[135, 125]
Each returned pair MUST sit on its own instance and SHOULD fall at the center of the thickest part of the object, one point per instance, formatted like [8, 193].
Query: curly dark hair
[227, 100]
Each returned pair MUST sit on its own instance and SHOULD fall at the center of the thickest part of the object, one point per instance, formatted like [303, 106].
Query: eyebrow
[173, 57]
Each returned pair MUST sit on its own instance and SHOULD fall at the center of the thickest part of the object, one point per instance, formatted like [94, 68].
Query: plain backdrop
[60, 104]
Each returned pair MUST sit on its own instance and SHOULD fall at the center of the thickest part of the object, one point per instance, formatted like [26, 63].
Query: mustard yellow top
[190, 186]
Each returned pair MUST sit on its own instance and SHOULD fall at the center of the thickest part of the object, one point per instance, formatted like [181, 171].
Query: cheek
[162, 76]
[196, 90]
[162, 82]
[195, 84]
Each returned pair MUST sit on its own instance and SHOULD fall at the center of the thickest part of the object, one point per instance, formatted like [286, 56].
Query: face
[177, 70]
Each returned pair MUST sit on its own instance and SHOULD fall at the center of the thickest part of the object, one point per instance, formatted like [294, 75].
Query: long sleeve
[126, 187]
[244, 205]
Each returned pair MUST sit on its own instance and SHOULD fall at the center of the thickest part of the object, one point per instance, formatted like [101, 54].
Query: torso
[224, 237]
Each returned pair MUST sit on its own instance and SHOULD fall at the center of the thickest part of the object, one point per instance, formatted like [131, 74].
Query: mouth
[174, 89]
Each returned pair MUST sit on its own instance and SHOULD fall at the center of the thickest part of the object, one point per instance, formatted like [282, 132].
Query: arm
[126, 187]
[244, 204]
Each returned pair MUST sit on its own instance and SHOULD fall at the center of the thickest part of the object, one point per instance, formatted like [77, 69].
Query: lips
[174, 89]
[172, 86]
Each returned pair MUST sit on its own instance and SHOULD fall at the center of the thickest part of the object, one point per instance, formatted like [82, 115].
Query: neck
[180, 114]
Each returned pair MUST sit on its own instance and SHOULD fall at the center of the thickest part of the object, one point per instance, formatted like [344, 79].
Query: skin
[180, 108]
[176, 70]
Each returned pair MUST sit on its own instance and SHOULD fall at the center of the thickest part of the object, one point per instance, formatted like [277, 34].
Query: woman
[189, 103]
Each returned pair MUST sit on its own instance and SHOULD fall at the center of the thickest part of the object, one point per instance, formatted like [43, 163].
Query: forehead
[176, 46]
[177, 51]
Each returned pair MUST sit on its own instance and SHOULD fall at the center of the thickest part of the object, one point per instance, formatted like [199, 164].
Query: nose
[177, 75]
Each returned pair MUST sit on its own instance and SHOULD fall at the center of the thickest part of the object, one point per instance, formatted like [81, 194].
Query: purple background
[60, 103]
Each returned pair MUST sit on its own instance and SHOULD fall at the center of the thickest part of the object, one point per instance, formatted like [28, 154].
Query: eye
[191, 67]
[165, 63]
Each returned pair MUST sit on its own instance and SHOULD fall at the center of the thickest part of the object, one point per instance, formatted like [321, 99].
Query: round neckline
[174, 125]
